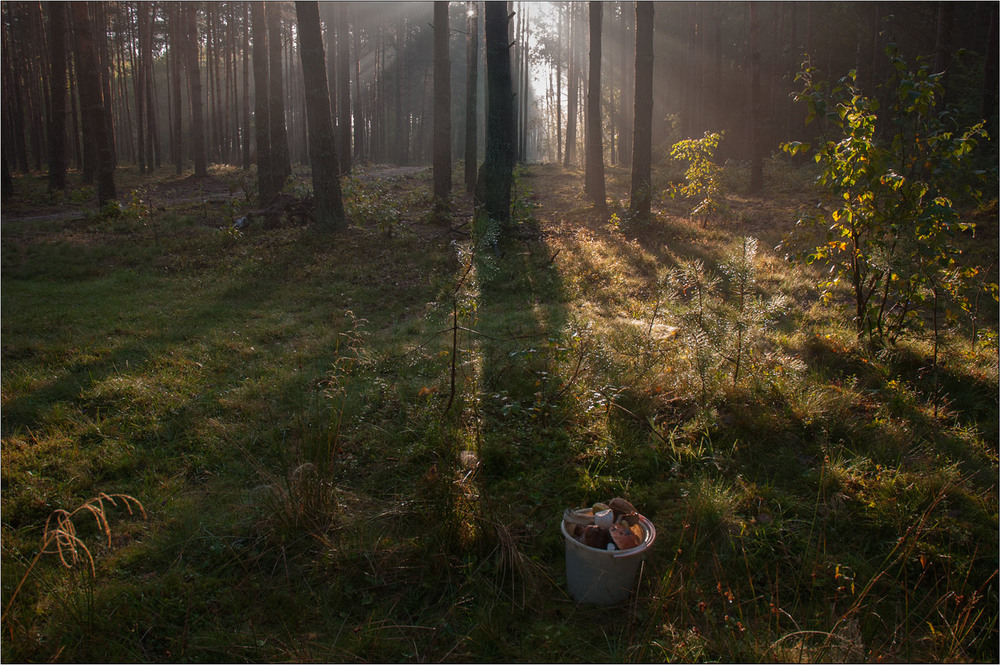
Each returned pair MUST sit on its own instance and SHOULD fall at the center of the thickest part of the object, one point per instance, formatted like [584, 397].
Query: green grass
[294, 410]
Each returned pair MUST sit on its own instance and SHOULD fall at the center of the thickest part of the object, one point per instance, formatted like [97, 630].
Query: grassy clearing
[357, 447]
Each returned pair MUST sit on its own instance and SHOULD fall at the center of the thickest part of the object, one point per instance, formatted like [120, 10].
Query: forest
[322, 322]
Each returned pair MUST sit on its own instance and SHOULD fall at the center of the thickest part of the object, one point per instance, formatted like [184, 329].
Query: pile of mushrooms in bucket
[611, 526]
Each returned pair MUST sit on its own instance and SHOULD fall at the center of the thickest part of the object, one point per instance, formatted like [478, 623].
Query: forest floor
[358, 446]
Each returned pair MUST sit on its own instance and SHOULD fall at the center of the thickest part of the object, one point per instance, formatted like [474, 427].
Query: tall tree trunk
[92, 102]
[359, 121]
[246, 86]
[496, 174]
[471, 89]
[35, 76]
[442, 107]
[628, 92]
[573, 87]
[525, 86]
[641, 194]
[194, 91]
[177, 55]
[281, 165]
[594, 167]
[403, 113]
[266, 190]
[74, 116]
[104, 58]
[322, 141]
[57, 119]
[13, 103]
[756, 158]
[152, 132]
[139, 84]
[559, 55]
[344, 147]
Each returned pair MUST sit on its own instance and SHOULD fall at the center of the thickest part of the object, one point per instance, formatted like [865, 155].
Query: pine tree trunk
[16, 132]
[75, 118]
[559, 55]
[57, 124]
[594, 176]
[281, 165]
[471, 90]
[177, 55]
[756, 159]
[322, 141]
[194, 91]
[344, 149]
[266, 190]
[641, 194]
[442, 107]
[496, 174]
[246, 86]
[359, 121]
[573, 88]
[92, 102]
[402, 94]
[525, 86]
[139, 81]
[152, 132]
[104, 58]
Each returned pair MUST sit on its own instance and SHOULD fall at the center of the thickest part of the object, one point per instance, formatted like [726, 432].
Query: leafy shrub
[890, 182]
[703, 177]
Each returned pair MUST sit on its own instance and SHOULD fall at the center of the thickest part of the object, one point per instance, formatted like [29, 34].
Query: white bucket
[604, 577]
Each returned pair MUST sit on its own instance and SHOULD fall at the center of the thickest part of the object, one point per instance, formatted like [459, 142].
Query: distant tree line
[178, 82]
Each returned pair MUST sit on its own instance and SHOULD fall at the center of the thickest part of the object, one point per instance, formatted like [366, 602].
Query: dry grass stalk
[59, 536]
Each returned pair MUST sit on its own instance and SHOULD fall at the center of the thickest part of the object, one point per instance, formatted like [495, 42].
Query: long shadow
[197, 317]
[522, 313]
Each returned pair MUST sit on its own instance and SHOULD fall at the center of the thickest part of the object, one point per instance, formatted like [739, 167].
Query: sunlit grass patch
[281, 401]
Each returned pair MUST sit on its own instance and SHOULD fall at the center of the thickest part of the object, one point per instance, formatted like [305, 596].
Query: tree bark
[152, 121]
[139, 84]
[246, 86]
[322, 141]
[344, 85]
[92, 102]
[641, 194]
[397, 110]
[281, 165]
[496, 173]
[177, 55]
[442, 107]
[594, 167]
[266, 190]
[471, 89]
[572, 88]
[104, 58]
[57, 119]
[194, 91]
[559, 55]
[359, 122]
[756, 159]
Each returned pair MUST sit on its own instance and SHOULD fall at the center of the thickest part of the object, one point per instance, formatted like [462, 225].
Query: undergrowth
[361, 450]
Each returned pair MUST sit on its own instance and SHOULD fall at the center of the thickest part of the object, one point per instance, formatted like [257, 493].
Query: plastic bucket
[603, 577]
